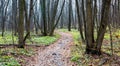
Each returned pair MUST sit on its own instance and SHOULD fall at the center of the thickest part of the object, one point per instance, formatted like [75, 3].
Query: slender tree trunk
[43, 8]
[14, 13]
[28, 22]
[79, 21]
[70, 12]
[4, 14]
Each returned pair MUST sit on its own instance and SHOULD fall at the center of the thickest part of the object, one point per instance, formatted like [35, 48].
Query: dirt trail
[57, 54]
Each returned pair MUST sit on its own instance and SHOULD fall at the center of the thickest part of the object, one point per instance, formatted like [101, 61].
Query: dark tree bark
[70, 12]
[103, 24]
[91, 46]
[21, 25]
[89, 27]
[43, 10]
[57, 21]
[14, 15]
[79, 21]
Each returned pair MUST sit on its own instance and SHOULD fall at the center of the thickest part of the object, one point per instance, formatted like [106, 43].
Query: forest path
[57, 54]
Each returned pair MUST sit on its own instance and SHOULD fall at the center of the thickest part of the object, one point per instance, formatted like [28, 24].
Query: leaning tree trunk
[79, 21]
[103, 25]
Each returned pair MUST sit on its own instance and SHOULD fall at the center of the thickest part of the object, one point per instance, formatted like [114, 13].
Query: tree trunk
[44, 23]
[89, 29]
[21, 25]
[70, 12]
[28, 19]
[79, 21]
[104, 24]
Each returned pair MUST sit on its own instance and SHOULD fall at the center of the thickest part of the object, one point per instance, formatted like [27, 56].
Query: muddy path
[57, 54]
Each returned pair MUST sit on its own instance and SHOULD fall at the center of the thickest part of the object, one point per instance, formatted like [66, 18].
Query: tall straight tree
[50, 16]
[70, 12]
[28, 16]
[4, 14]
[89, 26]
[14, 15]
[44, 22]
[21, 25]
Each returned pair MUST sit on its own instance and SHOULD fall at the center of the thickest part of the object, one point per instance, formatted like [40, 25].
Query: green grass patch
[16, 51]
[44, 40]
[7, 39]
[40, 40]
[8, 61]
[7, 56]
[75, 33]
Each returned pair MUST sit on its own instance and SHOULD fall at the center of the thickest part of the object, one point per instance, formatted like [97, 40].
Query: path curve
[57, 54]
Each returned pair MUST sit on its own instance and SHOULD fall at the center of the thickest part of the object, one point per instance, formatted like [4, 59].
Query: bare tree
[21, 24]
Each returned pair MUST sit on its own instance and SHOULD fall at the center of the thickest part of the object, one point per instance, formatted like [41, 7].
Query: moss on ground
[40, 40]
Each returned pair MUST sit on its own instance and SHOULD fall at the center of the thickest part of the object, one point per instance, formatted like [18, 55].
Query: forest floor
[67, 50]
[57, 54]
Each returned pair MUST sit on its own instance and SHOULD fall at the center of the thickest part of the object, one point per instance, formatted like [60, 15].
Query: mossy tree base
[93, 51]
[21, 45]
